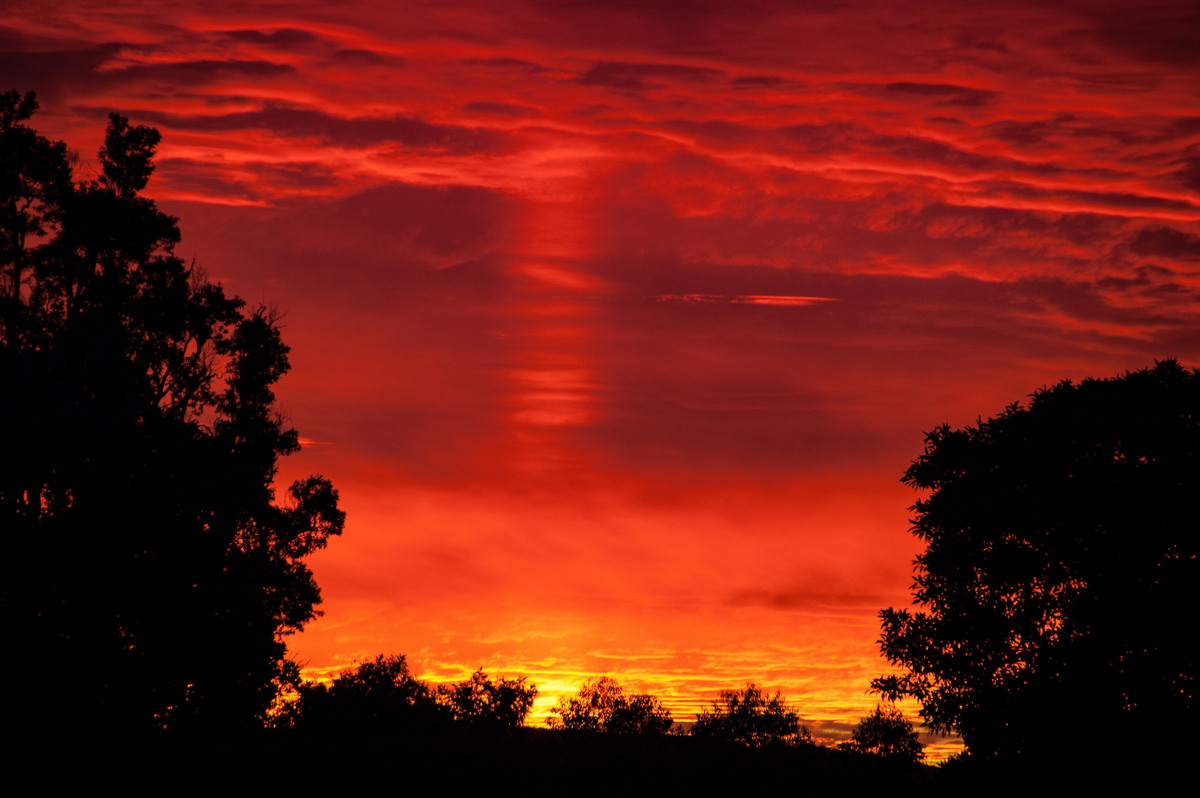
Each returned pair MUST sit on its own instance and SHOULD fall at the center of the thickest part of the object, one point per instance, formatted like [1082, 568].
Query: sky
[617, 323]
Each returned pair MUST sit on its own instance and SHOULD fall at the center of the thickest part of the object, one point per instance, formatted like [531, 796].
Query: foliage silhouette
[482, 703]
[149, 566]
[380, 696]
[887, 733]
[1060, 570]
[750, 717]
[602, 705]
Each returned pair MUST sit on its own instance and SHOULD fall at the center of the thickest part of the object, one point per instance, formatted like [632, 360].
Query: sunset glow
[615, 325]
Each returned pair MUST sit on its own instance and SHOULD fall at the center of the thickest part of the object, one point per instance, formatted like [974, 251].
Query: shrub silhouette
[380, 696]
[482, 703]
[887, 733]
[750, 717]
[602, 705]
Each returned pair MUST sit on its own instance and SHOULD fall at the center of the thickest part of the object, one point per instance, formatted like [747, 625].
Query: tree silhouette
[602, 705]
[750, 717]
[1059, 576]
[380, 696]
[150, 575]
[887, 733]
[483, 703]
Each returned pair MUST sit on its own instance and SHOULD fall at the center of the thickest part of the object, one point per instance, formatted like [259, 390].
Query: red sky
[616, 324]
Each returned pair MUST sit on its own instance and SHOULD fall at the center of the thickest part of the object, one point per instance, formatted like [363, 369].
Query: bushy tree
[150, 575]
[887, 733]
[483, 703]
[1058, 581]
[602, 705]
[750, 717]
[380, 696]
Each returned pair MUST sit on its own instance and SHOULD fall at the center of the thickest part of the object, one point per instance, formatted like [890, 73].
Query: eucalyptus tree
[151, 573]
[1055, 597]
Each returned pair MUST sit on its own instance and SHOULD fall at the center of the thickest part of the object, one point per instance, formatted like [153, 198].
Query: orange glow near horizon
[616, 325]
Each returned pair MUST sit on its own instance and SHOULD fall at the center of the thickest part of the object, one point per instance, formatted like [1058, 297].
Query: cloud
[501, 109]
[1164, 35]
[186, 73]
[505, 63]
[51, 71]
[1189, 175]
[944, 94]
[281, 38]
[807, 597]
[752, 299]
[642, 77]
[760, 80]
[356, 57]
[294, 122]
[1166, 242]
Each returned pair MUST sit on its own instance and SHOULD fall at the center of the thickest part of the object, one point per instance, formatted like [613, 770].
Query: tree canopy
[750, 717]
[1056, 588]
[151, 574]
[484, 703]
[602, 705]
[887, 733]
[379, 696]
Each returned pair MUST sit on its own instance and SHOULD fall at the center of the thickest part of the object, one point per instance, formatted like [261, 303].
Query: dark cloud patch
[944, 94]
[1117, 201]
[1168, 289]
[1133, 134]
[912, 148]
[1127, 133]
[1157, 38]
[593, 111]
[714, 130]
[1165, 242]
[355, 56]
[1184, 126]
[51, 72]
[805, 597]
[430, 222]
[972, 41]
[640, 77]
[1022, 134]
[308, 123]
[505, 63]
[819, 137]
[760, 80]
[308, 176]
[827, 137]
[204, 179]
[186, 73]
[1140, 82]
[283, 38]
[1121, 283]
[252, 181]
[502, 109]
[815, 138]
[1148, 280]
[1189, 174]
[1001, 228]
[943, 154]
[1162, 306]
